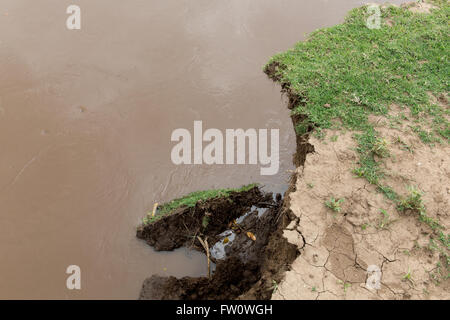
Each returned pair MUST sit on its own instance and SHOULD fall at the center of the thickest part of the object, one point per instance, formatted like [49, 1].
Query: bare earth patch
[365, 228]
[419, 7]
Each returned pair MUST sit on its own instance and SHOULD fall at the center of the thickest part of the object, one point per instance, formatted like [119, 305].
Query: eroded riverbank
[371, 202]
[365, 216]
[244, 227]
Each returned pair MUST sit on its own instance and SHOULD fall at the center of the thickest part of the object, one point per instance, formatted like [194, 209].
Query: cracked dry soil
[340, 246]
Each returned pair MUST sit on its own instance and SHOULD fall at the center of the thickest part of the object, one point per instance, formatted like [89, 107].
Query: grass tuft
[191, 200]
[334, 204]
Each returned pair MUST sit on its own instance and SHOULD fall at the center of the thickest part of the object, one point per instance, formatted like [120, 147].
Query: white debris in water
[261, 211]
[241, 218]
[218, 250]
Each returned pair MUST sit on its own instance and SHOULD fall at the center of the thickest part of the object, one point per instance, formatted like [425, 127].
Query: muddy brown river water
[86, 118]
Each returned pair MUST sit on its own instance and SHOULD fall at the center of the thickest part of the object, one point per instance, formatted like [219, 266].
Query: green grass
[413, 201]
[334, 204]
[274, 286]
[191, 200]
[345, 73]
[368, 167]
[356, 71]
[408, 276]
[345, 285]
[386, 220]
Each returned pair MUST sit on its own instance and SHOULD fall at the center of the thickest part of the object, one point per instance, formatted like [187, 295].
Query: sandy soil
[342, 250]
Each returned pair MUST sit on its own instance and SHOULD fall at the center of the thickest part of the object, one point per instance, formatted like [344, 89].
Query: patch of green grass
[356, 71]
[380, 147]
[345, 285]
[404, 145]
[385, 221]
[388, 192]
[368, 167]
[432, 245]
[408, 276]
[274, 286]
[334, 204]
[318, 133]
[347, 72]
[413, 201]
[427, 137]
[191, 200]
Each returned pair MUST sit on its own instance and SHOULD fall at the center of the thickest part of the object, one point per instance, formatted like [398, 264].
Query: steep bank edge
[281, 252]
[398, 271]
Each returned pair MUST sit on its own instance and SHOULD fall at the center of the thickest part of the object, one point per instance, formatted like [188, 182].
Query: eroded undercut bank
[243, 229]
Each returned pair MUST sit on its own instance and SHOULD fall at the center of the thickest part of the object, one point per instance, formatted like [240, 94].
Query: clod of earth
[254, 259]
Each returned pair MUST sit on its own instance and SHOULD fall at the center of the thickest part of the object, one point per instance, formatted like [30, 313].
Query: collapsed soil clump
[248, 269]
[208, 218]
